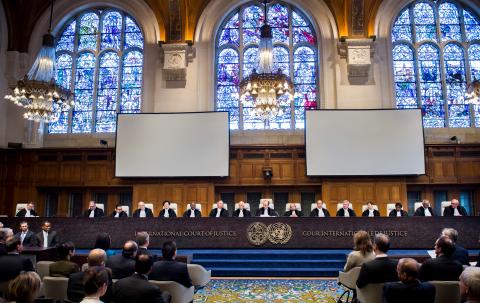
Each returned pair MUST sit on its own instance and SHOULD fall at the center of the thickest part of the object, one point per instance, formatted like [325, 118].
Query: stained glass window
[99, 56]
[295, 53]
[434, 45]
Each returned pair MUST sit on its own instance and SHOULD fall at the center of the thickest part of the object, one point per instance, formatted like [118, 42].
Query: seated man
[425, 210]
[370, 211]
[460, 254]
[143, 241]
[346, 211]
[118, 212]
[26, 236]
[266, 210]
[381, 269]
[167, 212]
[241, 211]
[219, 211]
[293, 212]
[64, 267]
[409, 289]
[169, 269]
[5, 233]
[455, 210]
[28, 211]
[13, 263]
[319, 211]
[123, 265]
[142, 211]
[93, 211]
[470, 284]
[398, 211]
[442, 268]
[192, 211]
[47, 237]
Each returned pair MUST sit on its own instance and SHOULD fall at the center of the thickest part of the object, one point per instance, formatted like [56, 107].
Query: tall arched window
[99, 56]
[295, 52]
[436, 52]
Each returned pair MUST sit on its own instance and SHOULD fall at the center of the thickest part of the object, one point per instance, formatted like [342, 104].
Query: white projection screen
[173, 145]
[364, 142]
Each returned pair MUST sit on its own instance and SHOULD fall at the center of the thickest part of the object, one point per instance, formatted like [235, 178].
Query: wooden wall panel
[97, 174]
[71, 174]
[47, 174]
[468, 170]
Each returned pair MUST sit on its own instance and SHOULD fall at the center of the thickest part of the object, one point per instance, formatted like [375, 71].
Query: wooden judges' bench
[281, 232]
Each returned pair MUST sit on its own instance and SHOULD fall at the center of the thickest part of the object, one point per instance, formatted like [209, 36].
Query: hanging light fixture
[266, 86]
[37, 92]
[473, 93]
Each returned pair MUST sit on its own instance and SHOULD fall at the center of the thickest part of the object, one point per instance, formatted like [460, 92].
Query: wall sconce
[267, 173]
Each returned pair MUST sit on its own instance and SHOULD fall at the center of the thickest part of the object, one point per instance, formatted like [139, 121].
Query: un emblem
[257, 233]
[279, 233]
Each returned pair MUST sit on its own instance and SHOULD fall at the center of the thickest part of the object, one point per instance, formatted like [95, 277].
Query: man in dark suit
[454, 210]
[460, 254]
[26, 236]
[93, 211]
[266, 210]
[425, 210]
[118, 212]
[169, 269]
[380, 270]
[219, 211]
[13, 263]
[192, 212]
[5, 233]
[320, 211]
[346, 211]
[75, 290]
[409, 289]
[398, 211]
[142, 211]
[293, 212]
[136, 288]
[47, 237]
[167, 212]
[370, 211]
[442, 268]
[28, 211]
[241, 211]
[123, 265]
[143, 241]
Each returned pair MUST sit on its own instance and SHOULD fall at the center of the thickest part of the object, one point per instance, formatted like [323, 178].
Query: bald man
[123, 265]
[142, 211]
[455, 210]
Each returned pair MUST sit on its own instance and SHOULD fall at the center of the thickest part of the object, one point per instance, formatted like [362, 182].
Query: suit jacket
[448, 211]
[376, 213]
[440, 269]
[171, 270]
[314, 213]
[63, 268]
[30, 239]
[145, 251]
[413, 292]
[246, 213]
[393, 213]
[98, 213]
[22, 212]
[12, 264]
[461, 255]
[53, 239]
[75, 289]
[121, 266]
[223, 213]
[289, 213]
[186, 214]
[379, 270]
[3, 251]
[148, 213]
[341, 212]
[121, 215]
[421, 211]
[136, 289]
[271, 212]
[171, 213]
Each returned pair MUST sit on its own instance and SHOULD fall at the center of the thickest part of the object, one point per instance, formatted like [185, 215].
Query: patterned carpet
[269, 291]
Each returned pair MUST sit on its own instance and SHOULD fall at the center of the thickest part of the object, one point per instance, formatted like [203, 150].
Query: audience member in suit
[169, 269]
[95, 283]
[136, 288]
[470, 285]
[346, 211]
[28, 211]
[64, 267]
[167, 212]
[13, 263]
[425, 210]
[454, 210]
[24, 288]
[266, 210]
[362, 251]
[76, 289]
[219, 211]
[26, 236]
[371, 211]
[381, 269]
[143, 241]
[93, 211]
[142, 211]
[241, 211]
[442, 268]
[5, 233]
[47, 237]
[319, 211]
[192, 211]
[409, 289]
[293, 212]
[398, 211]
[118, 212]
[460, 254]
[123, 265]
[103, 241]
